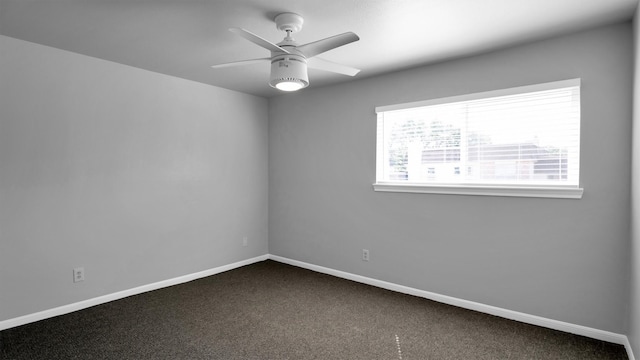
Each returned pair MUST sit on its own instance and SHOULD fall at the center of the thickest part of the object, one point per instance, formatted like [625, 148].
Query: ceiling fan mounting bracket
[289, 22]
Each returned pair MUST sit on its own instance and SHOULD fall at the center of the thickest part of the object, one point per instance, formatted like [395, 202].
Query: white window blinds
[525, 136]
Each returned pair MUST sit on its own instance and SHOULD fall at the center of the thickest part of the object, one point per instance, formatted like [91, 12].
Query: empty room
[267, 179]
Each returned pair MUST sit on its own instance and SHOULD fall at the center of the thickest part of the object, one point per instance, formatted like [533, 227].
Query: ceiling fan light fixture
[289, 59]
[289, 85]
[289, 73]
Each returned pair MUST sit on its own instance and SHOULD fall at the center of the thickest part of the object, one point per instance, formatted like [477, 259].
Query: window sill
[484, 190]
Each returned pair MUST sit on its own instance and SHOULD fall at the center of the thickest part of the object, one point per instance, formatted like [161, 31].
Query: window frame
[539, 191]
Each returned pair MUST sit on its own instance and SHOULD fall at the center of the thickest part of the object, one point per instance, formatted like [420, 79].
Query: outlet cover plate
[78, 274]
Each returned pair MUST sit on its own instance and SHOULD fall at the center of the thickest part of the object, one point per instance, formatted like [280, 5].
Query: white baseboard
[65, 309]
[471, 305]
[627, 346]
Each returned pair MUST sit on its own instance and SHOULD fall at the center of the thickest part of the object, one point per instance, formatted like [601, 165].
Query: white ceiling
[184, 37]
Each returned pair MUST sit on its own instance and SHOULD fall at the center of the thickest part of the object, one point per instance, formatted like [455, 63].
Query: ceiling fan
[289, 60]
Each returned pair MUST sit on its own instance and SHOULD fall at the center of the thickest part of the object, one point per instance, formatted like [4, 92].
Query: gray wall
[560, 259]
[634, 300]
[137, 176]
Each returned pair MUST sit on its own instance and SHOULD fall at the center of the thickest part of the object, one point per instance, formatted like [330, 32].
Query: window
[521, 141]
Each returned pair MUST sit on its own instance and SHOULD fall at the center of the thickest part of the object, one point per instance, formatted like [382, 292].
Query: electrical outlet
[78, 274]
[365, 255]
[245, 241]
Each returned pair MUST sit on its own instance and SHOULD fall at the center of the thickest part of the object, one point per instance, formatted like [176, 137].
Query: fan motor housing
[289, 68]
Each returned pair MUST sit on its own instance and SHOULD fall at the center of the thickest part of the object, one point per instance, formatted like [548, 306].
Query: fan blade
[320, 46]
[326, 65]
[241, 62]
[258, 40]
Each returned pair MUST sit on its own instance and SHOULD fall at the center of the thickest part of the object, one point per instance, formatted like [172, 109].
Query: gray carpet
[270, 310]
